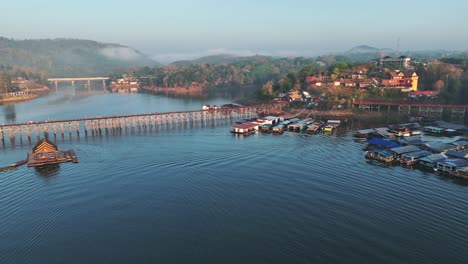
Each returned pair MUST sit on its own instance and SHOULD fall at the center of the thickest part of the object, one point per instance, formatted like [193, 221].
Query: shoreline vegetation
[33, 94]
[17, 99]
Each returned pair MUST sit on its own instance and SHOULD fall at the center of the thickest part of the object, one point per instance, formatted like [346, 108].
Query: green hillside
[69, 57]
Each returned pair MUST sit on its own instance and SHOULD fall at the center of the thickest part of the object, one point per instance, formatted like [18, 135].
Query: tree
[438, 85]
[338, 68]
[305, 72]
[5, 83]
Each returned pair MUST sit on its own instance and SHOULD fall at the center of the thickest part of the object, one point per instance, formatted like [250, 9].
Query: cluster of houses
[406, 81]
[126, 84]
[280, 124]
[403, 144]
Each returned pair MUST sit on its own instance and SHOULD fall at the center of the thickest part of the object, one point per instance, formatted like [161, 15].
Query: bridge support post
[73, 86]
[62, 130]
[436, 111]
[56, 86]
[89, 85]
[104, 85]
[28, 133]
[458, 114]
[12, 135]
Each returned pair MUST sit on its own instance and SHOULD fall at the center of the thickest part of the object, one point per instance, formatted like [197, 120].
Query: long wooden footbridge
[108, 124]
[457, 111]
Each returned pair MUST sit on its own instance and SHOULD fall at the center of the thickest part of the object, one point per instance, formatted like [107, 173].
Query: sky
[185, 29]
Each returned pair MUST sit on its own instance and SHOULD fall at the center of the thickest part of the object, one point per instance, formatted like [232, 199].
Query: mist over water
[202, 195]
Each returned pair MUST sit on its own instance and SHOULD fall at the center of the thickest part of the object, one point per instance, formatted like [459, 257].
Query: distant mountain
[363, 49]
[212, 59]
[222, 59]
[364, 53]
[69, 57]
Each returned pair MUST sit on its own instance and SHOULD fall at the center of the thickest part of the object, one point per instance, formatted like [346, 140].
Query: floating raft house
[46, 152]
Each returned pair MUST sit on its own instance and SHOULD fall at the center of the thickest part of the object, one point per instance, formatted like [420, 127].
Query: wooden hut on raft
[46, 152]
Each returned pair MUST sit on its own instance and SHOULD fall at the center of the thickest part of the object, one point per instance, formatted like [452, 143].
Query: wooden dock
[13, 166]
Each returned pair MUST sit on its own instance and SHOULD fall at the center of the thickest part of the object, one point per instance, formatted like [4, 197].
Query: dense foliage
[68, 57]
[256, 70]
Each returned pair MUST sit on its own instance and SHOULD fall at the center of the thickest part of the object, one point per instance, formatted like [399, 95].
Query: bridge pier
[56, 86]
[424, 111]
[89, 85]
[404, 109]
[73, 86]
[457, 114]
[436, 111]
[104, 85]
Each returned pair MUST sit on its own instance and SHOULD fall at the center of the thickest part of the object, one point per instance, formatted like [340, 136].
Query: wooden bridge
[110, 124]
[84, 79]
[456, 111]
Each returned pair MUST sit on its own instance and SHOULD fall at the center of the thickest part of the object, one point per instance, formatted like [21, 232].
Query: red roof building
[407, 81]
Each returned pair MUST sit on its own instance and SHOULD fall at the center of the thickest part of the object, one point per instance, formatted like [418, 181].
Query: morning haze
[243, 131]
[174, 30]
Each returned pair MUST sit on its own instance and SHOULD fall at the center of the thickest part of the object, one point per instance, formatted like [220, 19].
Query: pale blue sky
[200, 27]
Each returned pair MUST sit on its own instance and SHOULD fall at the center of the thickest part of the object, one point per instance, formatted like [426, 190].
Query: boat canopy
[382, 152]
[433, 129]
[405, 149]
[457, 154]
[414, 140]
[438, 146]
[455, 163]
[417, 154]
[382, 143]
[366, 131]
[434, 158]
[461, 143]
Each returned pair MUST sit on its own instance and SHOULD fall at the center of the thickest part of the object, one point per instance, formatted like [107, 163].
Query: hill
[363, 49]
[222, 59]
[366, 53]
[69, 57]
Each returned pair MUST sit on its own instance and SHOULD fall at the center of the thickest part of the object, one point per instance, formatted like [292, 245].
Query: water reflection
[10, 113]
[48, 171]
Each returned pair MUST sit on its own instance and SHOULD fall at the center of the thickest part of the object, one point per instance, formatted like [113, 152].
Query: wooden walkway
[455, 111]
[357, 102]
[13, 166]
[103, 125]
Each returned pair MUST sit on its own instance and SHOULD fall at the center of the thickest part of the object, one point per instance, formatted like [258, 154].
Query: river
[202, 195]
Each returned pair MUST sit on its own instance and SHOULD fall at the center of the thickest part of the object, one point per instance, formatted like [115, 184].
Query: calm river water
[202, 195]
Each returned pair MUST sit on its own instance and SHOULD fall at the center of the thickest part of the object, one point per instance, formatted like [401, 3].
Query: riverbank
[16, 99]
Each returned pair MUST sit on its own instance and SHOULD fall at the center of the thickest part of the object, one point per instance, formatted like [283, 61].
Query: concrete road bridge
[88, 81]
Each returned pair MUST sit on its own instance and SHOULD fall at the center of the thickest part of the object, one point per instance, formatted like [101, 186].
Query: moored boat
[314, 127]
[278, 128]
[381, 155]
[365, 133]
[434, 131]
[245, 128]
[412, 158]
[331, 125]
